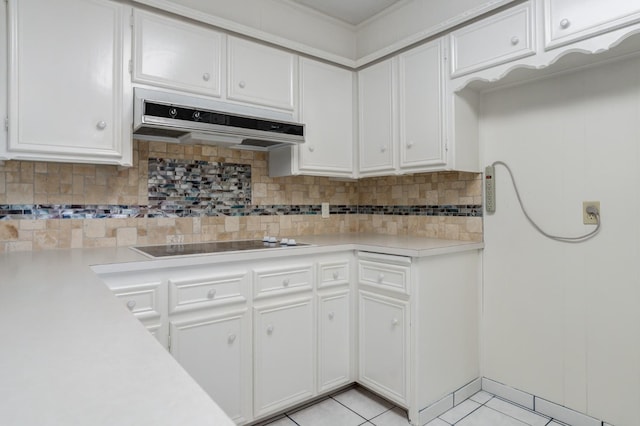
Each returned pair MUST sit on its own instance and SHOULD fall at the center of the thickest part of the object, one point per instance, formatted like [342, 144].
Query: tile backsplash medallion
[177, 193]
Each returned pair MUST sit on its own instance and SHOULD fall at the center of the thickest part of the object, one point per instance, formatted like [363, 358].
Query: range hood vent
[162, 116]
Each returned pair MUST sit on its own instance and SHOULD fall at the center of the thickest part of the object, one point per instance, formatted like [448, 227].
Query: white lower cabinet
[283, 355]
[334, 340]
[383, 345]
[215, 349]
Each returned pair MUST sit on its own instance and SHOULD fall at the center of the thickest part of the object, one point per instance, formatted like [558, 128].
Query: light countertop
[74, 355]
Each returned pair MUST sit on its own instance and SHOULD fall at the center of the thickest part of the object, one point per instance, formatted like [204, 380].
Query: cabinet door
[215, 351]
[334, 341]
[384, 343]
[326, 109]
[260, 74]
[377, 118]
[570, 20]
[66, 89]
[283, 355]
[177, 55]
[421, 102]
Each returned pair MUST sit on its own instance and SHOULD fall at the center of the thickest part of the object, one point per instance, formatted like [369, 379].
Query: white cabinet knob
[383, 149]
[285, 282]
[394, 322]
[565, 23]
[131, 304]
[336, 275]
[211, 293]
[242, 84]
[409, 144]
[231, 338]
[101, 125]
[515, 40]
[206, 76]
[270, 329]
[312, 148]
[331, 315]
[380, 278]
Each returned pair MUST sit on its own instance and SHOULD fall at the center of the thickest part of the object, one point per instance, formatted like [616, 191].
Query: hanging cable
[577, 239]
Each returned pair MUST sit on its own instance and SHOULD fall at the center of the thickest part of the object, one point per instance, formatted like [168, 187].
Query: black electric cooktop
[212, 247]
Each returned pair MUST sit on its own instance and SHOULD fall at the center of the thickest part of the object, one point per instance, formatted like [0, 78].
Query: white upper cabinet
[260, 74]
[421, 107]
[326, 108]
[177, 55]
[67, 96]
[571, 20]
[507, 36]
[378, 124]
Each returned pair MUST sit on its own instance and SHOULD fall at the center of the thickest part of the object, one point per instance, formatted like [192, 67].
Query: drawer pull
[206, 76]
[101, 125]
[231, 338]
[394, 322]
[311, 148]
[383, 149]
[285, 282]
[211, 293]
[270, 330]
[131, 304]
[515, 40]
[336, 275]
[380, 278]
[409, 144]
[565, 23]
[242, 84]
[331, 315]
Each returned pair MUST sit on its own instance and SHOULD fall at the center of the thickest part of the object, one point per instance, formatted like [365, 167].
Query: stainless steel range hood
[169, 117]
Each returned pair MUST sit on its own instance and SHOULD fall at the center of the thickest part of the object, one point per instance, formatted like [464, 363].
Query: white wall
[562, 321]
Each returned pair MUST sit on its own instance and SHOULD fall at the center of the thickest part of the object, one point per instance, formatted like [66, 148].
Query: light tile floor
[357, 406]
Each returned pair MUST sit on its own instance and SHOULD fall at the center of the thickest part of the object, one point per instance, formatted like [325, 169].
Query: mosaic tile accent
[183, 185]
[37, 211]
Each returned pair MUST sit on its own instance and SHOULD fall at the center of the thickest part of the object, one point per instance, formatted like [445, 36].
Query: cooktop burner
[212, 247]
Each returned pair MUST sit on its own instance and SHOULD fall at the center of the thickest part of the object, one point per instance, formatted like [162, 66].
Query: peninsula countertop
[73, 355]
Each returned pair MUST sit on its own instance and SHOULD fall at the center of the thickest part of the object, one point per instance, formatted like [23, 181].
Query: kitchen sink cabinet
[69, 99]
[261, 75]
[214, 347]
[326, 107]
[283, 354]
[177, 55]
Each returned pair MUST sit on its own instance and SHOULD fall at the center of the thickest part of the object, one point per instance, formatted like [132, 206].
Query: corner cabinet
[326, 107]
[68, 100]
[402, 119]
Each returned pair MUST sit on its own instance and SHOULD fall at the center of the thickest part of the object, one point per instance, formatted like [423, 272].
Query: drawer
[392, 273]
[269, 282]
[333, 274]
[203, 292]
[142, 300]
[501, 38]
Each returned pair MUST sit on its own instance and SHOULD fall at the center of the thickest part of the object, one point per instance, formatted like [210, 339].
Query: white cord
[578, 239]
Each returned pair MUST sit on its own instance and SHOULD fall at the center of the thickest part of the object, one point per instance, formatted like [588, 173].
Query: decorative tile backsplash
[192, 193]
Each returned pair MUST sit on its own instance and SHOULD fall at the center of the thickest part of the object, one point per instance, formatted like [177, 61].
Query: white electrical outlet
[325, 210]
[590, 219]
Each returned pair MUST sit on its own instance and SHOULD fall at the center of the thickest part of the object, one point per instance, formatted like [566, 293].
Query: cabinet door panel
[65, 84]
[571, 20]
[326, 109]
[283, 357]
[215, 352]
[334, 341]
[260, 74]
[176, 55]
[421, 106]
[377, 118]
[384, 326]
